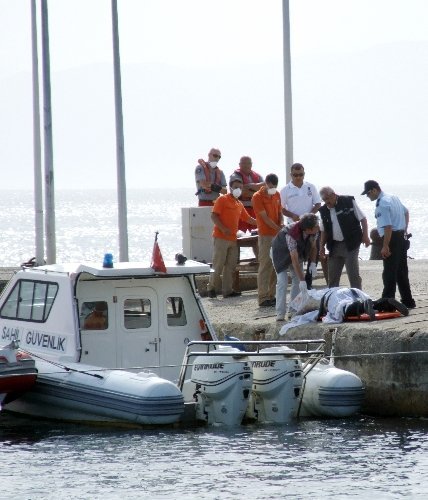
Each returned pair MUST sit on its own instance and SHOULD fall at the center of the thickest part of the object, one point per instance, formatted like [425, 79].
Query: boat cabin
[126, 317]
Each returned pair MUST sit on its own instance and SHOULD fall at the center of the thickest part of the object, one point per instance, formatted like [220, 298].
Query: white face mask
[237, 192]
[213, 164]
[271, 191]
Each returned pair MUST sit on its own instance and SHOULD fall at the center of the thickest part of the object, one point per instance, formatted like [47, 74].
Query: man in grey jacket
[293, 244]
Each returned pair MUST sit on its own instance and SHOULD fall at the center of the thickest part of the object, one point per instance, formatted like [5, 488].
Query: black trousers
[395, 270]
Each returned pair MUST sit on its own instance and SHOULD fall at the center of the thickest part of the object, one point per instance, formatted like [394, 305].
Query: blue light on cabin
[108, 260]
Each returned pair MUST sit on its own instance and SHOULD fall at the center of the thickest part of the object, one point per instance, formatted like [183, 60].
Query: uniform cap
[370, 185]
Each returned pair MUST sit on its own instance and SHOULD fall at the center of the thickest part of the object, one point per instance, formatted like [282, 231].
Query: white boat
[108, 344]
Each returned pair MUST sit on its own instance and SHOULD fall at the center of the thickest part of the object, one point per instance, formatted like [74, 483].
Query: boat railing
[310, 351]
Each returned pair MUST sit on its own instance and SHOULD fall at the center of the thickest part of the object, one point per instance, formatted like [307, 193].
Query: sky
[199, 73]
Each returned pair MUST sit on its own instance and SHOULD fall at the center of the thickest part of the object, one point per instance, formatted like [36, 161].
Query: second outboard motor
[277, 382]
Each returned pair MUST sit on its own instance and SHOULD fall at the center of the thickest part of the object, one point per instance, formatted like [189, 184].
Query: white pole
[49, 174]
[288, 109]
[38, 186]
[120, 143]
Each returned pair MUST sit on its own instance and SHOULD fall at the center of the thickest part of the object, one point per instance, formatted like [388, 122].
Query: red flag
[157, 261]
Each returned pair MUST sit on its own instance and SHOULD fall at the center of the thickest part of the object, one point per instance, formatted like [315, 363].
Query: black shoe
[212, 294]
[266, 303]
[368, 309]
[400, 307]
[272, 302]
[410, 305]
[233, 294]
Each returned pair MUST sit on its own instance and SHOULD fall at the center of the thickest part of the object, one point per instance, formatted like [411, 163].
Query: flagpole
[120, 142]
[288, 105]
[157, 263]
[37, 156]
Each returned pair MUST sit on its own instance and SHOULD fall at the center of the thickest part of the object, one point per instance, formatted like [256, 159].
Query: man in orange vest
[268, 210]
[226, 214]
[210, 180]
[252, 182]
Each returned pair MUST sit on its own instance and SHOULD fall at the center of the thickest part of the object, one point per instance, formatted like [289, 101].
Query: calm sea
[362, 457]
[86, 222]
[359, 458]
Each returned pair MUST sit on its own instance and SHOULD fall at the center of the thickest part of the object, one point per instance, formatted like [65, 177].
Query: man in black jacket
[343, 229]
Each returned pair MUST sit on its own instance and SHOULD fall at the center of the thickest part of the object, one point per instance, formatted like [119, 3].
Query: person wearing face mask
[210, 180]
[251, 183]
[226, 214]
[267, 208]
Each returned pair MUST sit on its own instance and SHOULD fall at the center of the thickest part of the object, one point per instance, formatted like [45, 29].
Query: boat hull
[18, 373]
[331, 392]
[87, 394]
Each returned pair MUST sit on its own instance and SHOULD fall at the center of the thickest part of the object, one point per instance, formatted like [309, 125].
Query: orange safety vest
[252, 178]
[207, 172]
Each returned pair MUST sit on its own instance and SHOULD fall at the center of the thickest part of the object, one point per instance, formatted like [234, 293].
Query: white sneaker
[280, 317]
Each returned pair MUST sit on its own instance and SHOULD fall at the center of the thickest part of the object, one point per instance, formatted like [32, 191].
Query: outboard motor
[277, 382]
[331, 392]
[223, 385]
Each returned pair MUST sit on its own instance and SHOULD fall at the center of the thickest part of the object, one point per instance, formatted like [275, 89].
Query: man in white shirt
[299, 197]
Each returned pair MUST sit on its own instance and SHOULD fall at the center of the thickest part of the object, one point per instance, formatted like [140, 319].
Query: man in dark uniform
[343, 229]
[392, 220]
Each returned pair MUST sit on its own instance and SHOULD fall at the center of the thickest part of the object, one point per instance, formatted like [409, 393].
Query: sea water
[87, 227]
[362, 457]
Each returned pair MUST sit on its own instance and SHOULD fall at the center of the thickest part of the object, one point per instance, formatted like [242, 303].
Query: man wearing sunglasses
[299, 197]
[210, 180]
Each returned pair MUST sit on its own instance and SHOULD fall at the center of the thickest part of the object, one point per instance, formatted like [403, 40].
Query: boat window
[176, 315]
[30, 301]
[137, 313]
[94, 315]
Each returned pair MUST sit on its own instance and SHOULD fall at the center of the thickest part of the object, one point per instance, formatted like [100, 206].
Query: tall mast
[38, 183]
[48, 149]
[120, 142]
[288, 108]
